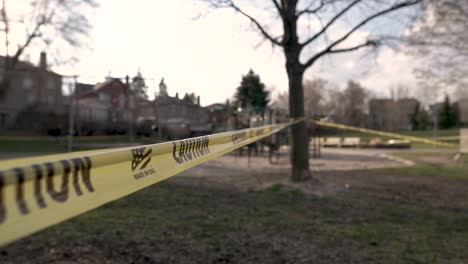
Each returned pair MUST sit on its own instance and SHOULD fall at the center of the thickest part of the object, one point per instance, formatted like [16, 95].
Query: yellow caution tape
[464, 140]
[448, 138]
[38, 192]
[385, 134]
[61, 138]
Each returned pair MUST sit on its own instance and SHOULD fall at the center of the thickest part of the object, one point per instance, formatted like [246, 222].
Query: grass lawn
[416, 145]
[430, 133]
[386, 216]
[32, 146]
[181, 224]
[416, 133]
[431, 164]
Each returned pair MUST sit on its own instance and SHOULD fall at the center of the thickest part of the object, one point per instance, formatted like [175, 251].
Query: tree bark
[295, 70]
[299, 139]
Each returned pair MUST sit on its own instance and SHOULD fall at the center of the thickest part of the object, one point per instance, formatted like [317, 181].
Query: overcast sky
[209, 55]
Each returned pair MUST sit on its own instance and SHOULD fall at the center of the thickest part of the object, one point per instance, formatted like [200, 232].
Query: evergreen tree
[420, 119]
[191, 97]
[252, 93]
[139, 85]
[447, 115]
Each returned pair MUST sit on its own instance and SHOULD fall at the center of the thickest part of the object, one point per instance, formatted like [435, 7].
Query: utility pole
[435, 125]
[129, 104]
[71, 116]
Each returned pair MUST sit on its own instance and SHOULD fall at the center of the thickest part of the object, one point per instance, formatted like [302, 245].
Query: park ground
[366, 208]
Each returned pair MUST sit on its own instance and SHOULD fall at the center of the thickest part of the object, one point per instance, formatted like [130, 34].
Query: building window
[121, 101]
[50, 99]
[3, 119]
[104, 97]
[27, 82]
[50, 84]
[31, 98]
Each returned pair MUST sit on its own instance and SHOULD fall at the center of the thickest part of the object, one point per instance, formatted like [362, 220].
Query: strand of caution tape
[62, 138]
[385, 134]
[447, 138]
[39, 192]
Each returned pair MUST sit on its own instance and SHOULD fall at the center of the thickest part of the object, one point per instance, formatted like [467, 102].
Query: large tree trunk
[299, 140]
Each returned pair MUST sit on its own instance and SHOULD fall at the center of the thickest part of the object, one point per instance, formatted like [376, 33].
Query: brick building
[218, 115]
[33, 101]
[179, 118]
[105, 108]
[463, 112]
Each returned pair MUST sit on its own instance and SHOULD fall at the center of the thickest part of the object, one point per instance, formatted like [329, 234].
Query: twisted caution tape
[384, 134]
[38, 192]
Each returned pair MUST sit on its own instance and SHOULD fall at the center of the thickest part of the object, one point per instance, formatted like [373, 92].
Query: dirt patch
[257, 172]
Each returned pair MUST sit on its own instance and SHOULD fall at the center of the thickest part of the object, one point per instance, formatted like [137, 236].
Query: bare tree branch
[45, 19]
[368, 43]
[358, 26]
[6, 29]
[440, 38]
[278, 8]
[330, 23]
[262, 29]
[310, 10]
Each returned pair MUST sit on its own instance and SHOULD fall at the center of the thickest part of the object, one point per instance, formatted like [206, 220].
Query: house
[392, 115]
[110, 107]
[406, 109]
[180, 118]
[144, 116]
[104, 108]
[81, 88]
[33, 101]
[463, 112]
[218, 115]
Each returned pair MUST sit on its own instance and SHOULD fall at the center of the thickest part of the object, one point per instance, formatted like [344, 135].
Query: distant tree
[191, 97]
[321, 98]
[138, 85]
[252, 93]
[456, 112]
[420, 120]
[281, 103]
[290, 18]
[48, 24]
[440, 38]
[447, 115]
[399, 91]
[314, 91]
[355, 98]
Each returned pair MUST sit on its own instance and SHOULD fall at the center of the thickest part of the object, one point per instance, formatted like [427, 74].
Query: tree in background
[447, 115]
[139, 86]
[441, 39]
[420, 120]
[281, 103]
[191, 97]
[314, 92]
[252, 93]
[316, 98]
[355, 101]
[47, 24]
[290, 16]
